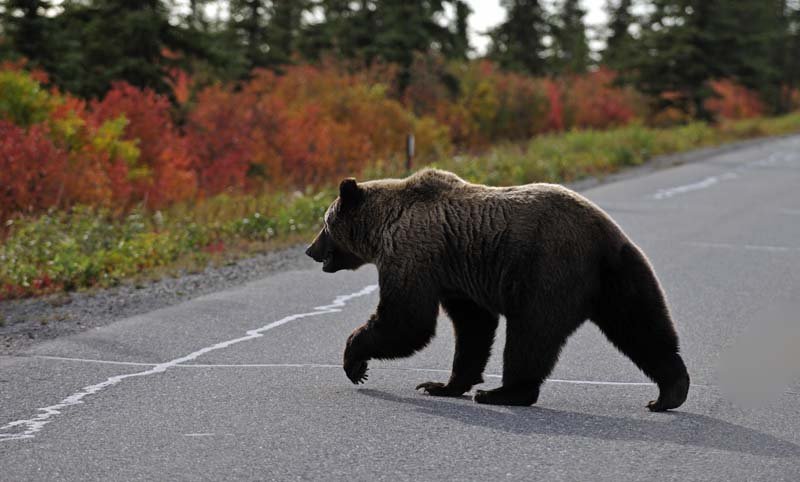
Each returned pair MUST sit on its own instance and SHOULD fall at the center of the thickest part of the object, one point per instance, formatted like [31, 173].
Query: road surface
[246, 383]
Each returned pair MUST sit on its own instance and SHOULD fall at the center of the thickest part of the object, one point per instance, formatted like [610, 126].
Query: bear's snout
[319, 249]
[310, 252]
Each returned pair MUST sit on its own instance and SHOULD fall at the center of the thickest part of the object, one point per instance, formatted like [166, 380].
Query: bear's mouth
[327, 262]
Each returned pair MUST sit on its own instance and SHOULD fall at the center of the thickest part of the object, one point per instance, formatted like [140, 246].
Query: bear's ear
[350, 193]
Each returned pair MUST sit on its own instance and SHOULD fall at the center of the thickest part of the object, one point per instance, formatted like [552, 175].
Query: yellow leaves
[108, 138]
[22, 100]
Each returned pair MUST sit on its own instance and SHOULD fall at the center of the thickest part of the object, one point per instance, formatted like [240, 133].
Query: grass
[88, 247]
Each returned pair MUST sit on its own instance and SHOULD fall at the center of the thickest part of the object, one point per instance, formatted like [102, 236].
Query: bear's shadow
[683, 428]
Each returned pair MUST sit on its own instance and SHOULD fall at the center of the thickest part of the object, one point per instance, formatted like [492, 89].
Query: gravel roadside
[29, 321]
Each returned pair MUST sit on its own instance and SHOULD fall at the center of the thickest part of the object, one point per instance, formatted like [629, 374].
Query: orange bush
[732, 101]
[309, 125]
[593, 101]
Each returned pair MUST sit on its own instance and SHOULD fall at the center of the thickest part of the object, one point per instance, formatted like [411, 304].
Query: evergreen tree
[679, 55]
[196, 18]
[95, 43]
[458, 46]
[284, 28]
[791, 56]
[687, 43]
[516, 43]
[570, 50]
[28, 29]
[620, 44]
[249, 20]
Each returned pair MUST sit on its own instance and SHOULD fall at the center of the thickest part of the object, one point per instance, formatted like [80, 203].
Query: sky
[488, 13]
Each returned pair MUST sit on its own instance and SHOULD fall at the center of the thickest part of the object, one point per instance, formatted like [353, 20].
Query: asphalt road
[246, 383]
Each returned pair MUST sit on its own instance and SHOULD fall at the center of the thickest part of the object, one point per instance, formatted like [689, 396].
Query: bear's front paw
[356, 371]
[438, 389]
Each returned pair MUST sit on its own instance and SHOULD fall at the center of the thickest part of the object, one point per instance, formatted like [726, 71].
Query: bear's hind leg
[474, 329]
[650, 342]
[634, 317]
[530, 354]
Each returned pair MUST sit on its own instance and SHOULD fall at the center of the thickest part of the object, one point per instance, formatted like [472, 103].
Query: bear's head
[334, 246]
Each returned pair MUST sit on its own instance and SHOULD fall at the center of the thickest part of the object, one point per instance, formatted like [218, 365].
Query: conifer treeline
[670, 50]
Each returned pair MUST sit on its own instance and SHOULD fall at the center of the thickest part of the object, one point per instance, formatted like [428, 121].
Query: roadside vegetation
[139, 139]
[84, 247]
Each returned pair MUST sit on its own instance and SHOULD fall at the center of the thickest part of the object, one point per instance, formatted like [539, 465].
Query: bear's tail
[633, 314]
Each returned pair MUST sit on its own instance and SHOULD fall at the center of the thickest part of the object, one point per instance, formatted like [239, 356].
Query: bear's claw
[672, 396]
[356, 372]
[438, 389]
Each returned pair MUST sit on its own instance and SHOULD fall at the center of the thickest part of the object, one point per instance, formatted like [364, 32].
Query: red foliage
[219, 140]
[21, 65]
[309, 125]
[732, 101]
[555, 119]
[32, 170]
[592, 101]
[167, 167]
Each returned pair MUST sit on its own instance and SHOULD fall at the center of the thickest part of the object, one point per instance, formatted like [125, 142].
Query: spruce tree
[620, 44]
[27, 29]
[249, 23]
[516, 43]
[687, 43]
[457, 46]
[570, 50]
[678, 55]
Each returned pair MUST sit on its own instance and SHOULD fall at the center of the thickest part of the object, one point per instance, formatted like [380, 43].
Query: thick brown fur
[541, 255]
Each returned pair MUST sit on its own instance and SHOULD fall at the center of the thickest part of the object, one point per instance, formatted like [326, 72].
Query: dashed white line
[695, 186]
[28, 428]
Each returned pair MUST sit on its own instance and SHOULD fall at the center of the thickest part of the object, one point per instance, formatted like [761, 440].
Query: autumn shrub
[53, 156]
[23, 101]
[593, 101]
[162, 173]
[32, 169]
[305, 127]
[733, 101]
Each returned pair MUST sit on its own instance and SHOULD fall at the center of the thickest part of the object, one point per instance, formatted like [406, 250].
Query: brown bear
[541, 255]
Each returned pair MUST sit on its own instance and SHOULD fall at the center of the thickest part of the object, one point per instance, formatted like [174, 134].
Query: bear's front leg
[474, 328]
[404, 322]
[355, 356]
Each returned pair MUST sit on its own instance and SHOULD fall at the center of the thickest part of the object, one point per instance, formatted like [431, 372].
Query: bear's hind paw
[438, 389]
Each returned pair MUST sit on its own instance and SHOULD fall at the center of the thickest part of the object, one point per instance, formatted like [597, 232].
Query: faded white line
[747, 247]
[28, 428]
[90, 360]
[325, 365]
[695, 186]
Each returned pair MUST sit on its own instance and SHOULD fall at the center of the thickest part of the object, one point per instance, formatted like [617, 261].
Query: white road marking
[91, 360]
[748, 247]
[28, 428]
[695, 186]
[326, 365]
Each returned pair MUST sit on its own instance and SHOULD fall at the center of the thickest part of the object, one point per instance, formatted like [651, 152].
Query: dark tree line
[659, 46]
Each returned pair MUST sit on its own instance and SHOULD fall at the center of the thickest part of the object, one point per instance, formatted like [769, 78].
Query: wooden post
[409, 151]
